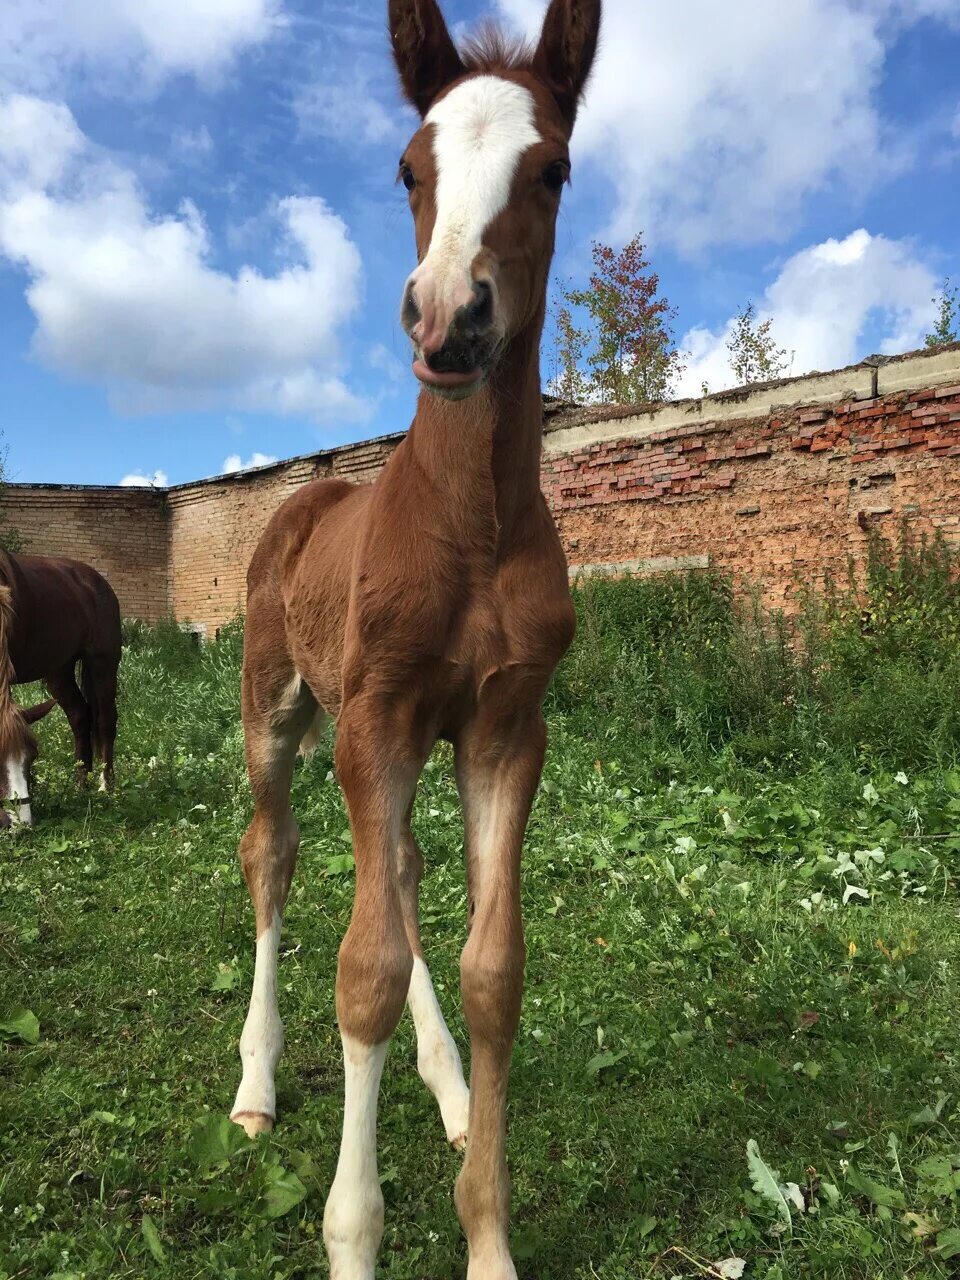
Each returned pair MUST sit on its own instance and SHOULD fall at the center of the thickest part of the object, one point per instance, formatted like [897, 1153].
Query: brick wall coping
[875, 376]
[226, 477]
[568, 427]
[135, 491]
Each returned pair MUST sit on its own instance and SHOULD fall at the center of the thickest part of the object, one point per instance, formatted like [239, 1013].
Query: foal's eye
[554, 176]
[406, 177]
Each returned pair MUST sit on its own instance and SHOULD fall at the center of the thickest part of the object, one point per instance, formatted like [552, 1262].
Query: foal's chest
[520, 622]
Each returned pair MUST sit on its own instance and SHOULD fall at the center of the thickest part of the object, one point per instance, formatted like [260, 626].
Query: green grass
[742, 921]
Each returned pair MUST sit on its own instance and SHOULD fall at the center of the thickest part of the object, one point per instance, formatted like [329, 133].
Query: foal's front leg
[377, 769]
[498, 769]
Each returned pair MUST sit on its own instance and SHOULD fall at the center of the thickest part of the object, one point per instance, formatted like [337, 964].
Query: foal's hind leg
[63, 686]
[268, 854]
[438, 1059]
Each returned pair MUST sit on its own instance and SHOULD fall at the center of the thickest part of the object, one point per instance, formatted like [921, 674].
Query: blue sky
[202, 246]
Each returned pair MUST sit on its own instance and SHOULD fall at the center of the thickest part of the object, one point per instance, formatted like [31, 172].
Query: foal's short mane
[490, 50]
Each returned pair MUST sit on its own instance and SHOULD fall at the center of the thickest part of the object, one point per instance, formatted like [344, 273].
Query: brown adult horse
[54, 614]
[433, 604]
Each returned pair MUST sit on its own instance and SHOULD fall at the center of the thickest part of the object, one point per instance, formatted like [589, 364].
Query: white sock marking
[262, 1040]
[20, 814]
[353, 1217]
[438, 1059]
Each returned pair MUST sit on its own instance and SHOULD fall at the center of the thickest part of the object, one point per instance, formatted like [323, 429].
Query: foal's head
[485, 172]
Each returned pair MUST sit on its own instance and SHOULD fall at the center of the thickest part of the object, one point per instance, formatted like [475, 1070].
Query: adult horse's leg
[63, 685]
[498, 767]
[277, 711]
[438, 1059]
[100, 686]
[378, 762]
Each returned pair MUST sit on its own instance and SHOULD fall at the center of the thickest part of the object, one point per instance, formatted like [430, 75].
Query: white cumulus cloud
[135, 42]
[132, 300]
[343, 106]
[717, 122]
[347, 93]
[235, 463]
[822, 305]
[136, 480]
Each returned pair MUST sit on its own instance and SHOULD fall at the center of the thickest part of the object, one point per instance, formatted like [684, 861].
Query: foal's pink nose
[432, 326]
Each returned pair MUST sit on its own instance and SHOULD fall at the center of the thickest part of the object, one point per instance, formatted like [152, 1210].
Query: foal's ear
[33, 714]
[566, 50]
[425, 55]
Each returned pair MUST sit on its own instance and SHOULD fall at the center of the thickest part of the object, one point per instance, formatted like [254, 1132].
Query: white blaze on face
[480, 131]
[19, 789]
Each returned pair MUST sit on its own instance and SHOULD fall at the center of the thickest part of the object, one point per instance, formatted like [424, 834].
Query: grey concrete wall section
[653, 564]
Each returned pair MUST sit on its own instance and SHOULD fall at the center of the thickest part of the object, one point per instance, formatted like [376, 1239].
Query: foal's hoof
[455, 1110]
[253, 1123]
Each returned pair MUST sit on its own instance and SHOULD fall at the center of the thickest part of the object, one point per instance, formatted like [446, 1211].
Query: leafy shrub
[866, 669]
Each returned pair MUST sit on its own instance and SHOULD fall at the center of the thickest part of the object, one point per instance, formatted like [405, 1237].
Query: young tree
[568, 382]
[947, 328]
[754, 355]
[627, 346]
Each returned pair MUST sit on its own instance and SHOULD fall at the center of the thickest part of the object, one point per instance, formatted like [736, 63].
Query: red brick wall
[776, 497]
[123, 533]
[773, 500]
[215, 526]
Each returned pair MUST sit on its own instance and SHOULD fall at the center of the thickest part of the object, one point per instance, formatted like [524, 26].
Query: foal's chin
[453, 387]
[466, 392]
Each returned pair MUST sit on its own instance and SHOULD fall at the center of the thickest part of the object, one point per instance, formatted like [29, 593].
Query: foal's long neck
[486, 450]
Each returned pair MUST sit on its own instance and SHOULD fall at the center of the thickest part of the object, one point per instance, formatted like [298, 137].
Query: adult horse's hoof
[253, 1123]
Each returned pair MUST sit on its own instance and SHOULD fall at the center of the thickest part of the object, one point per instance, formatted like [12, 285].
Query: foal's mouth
[448, 380]
[456, 383]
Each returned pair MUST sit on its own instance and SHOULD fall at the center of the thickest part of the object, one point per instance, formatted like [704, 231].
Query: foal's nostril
[409, 313]
[479, 312]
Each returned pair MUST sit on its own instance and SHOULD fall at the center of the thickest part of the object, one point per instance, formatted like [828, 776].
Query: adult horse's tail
[92, 698]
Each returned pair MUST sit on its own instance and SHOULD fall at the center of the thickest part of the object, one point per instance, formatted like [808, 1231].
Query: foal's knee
[373, 976]
[268, 856]
[491, 982]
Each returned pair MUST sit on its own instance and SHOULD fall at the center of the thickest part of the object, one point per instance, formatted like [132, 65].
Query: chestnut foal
[433, 604]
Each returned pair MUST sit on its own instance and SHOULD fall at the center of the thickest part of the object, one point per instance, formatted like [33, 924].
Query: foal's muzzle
[453, 359]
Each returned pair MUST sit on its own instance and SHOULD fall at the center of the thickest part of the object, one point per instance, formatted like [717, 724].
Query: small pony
[53, 614]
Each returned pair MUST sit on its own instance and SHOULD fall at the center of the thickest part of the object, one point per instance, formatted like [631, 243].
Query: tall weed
[866, 670]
